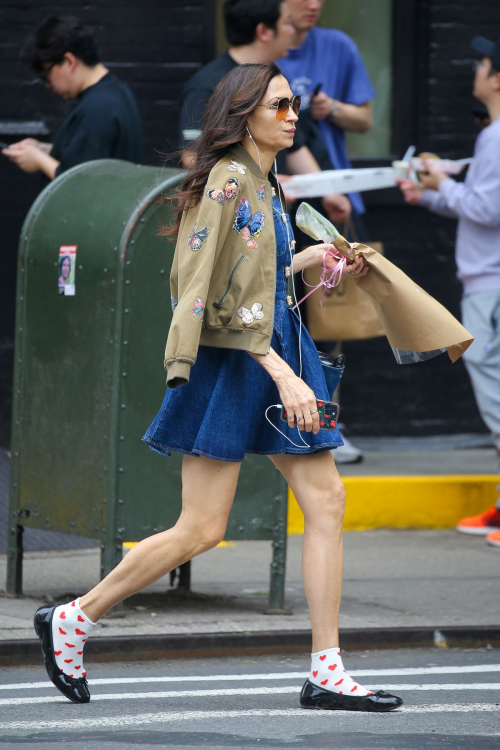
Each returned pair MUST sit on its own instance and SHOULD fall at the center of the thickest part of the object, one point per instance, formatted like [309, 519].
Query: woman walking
[235, 350]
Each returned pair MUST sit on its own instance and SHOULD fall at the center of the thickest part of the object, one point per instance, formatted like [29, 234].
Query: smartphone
[316, 90]
[328, 415]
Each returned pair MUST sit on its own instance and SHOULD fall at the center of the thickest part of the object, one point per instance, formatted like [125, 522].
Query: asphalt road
[452, 700]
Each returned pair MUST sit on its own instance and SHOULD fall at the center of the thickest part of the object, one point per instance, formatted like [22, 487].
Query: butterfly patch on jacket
[261, 193]
[235, 166]
[247, 225]
[196, 239]
[198, 308]
[248, 316]
[229, 193]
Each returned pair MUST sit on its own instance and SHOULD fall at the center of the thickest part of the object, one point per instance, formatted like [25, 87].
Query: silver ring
[299, 419]
[315, 412]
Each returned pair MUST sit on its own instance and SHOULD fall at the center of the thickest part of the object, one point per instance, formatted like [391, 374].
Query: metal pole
[278, 564]
[14, 585]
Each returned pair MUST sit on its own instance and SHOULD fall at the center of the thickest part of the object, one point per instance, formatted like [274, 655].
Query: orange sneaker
[484, 523]
[494, 539]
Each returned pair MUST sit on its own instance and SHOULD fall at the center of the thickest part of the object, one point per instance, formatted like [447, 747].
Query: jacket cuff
[178, 373]
[429, 198]
[446, 187]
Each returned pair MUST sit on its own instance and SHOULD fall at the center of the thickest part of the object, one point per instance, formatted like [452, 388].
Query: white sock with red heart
[327, 671]
[70, 630]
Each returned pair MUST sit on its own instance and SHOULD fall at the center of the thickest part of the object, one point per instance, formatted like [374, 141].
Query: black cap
[487, 49]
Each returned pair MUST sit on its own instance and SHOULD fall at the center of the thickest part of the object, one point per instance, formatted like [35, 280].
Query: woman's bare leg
[208, 489]
[319, 491]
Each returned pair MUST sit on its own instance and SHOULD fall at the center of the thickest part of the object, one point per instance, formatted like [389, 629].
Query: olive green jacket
[223, 276]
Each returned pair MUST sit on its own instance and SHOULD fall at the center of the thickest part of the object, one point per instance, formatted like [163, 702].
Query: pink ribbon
[330, 277]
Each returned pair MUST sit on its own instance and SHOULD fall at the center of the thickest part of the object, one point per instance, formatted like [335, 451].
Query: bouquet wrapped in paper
[416, 325]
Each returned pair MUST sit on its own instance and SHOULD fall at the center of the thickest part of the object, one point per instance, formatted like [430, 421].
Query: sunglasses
[45, 72]
[282, 106]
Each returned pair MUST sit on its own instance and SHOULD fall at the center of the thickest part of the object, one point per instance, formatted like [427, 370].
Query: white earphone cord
[256, 148]
[283, 215]
[279, 406]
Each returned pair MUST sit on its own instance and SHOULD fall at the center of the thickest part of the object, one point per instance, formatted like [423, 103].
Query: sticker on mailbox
[67, 265]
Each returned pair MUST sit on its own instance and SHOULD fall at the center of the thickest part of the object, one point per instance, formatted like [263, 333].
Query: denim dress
[221, 412]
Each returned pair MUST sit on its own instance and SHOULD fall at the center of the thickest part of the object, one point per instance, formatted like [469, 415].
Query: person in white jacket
[476, 205]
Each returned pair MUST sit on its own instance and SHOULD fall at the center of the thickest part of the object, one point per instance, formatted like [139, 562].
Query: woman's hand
[315, 256]
[299, 402]
[357, 268]
[295, 395]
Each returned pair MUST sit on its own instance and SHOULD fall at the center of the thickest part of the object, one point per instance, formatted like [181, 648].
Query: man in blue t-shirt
[342, 102]
[330, 58]
[257, 31]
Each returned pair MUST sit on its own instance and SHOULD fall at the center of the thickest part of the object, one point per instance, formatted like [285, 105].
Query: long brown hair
[234, 99]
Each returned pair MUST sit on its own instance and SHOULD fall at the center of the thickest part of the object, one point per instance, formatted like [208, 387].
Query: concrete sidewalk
[386, 477]
[411, 580]
[393, 579]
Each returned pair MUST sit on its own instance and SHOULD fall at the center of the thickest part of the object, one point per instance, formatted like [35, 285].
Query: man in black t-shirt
[257, 31]
[104, 124]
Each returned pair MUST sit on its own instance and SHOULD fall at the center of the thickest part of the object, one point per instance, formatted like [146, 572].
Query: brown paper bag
[412, 320]
[346, 314]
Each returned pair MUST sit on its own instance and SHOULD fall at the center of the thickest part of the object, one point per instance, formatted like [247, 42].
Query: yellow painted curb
[399, 502]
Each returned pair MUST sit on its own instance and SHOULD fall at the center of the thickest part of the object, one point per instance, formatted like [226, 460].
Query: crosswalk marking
[246, 691]
[272, 676]
[111, 722]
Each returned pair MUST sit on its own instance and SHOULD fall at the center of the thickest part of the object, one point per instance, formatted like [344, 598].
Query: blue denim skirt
[220, 412]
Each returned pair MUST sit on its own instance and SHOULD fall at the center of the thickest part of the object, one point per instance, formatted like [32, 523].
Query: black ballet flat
[313, 696]
[74, 688]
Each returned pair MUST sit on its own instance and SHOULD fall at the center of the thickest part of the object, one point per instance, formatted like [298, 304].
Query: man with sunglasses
[257, 31]
[476, 205]
[104, 124]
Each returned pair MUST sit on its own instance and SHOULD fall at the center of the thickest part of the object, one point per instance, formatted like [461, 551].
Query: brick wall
[445, 86]
[154, 45]
[433, 397]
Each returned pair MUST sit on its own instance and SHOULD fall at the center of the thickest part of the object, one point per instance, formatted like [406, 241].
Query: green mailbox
[93, 312]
